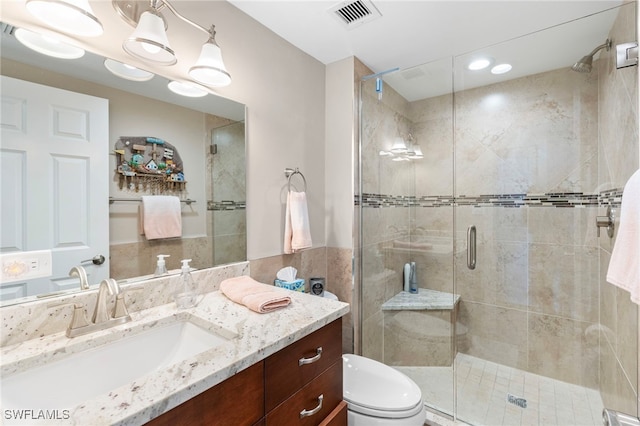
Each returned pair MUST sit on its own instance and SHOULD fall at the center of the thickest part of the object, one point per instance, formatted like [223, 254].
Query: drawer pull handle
[307, 413]
[303, 361]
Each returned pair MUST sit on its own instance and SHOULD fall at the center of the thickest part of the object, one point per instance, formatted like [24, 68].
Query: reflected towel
[297, 233]
[160, 217]
[624, 266]
[256, 296]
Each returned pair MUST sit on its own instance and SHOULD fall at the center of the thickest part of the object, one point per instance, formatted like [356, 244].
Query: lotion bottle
[407, 277]
[186, 295]
[161, 267]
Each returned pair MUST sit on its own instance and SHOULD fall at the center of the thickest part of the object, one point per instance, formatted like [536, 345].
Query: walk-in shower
[533, 334]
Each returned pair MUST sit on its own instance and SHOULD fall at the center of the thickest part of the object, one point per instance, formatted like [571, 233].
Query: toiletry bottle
[161, 267]
[406, 277]
[186, 295]
[413, 280]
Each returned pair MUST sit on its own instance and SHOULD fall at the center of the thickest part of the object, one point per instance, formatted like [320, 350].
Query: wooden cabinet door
[237, 401]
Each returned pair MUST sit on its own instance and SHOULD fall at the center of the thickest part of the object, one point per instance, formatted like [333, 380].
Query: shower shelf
[425, 300]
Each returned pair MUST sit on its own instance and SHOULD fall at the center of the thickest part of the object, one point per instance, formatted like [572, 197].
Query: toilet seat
[375, 389]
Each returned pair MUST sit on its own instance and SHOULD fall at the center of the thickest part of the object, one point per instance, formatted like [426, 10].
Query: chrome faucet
[102, 318]
[81, 273]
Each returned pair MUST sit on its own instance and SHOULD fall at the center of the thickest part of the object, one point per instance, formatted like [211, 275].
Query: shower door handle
[471, 247]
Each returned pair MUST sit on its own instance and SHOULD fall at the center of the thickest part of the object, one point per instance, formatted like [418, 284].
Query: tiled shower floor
[482, 395]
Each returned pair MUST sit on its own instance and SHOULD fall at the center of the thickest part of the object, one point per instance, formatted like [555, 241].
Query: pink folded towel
[297, 233]
[160, 217]
[256, 296]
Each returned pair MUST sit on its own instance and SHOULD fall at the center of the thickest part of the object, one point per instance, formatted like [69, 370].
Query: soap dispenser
[161, 267]
[186, 295]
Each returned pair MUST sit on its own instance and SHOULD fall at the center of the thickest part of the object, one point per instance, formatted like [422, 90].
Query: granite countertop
[426, 299]
[253, 337]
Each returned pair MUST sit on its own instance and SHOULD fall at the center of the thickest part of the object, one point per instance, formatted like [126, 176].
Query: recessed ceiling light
[127, 71]
[187, 89]
[501, 69]
[479, 64]
[48, 45]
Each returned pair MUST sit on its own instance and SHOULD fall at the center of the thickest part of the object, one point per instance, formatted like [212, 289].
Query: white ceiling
[412, 33]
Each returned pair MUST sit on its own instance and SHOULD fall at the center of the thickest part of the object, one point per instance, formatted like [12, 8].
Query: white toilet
[377, 394]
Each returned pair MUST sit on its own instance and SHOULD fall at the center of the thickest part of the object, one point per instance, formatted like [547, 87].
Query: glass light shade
[187, 89]
[399, 146]
[69, 16]
[47, 45]
[127, 71]
[209, 69]
[149, 41]
[417, 154]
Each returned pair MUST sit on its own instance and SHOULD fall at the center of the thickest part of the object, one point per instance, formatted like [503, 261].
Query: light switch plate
[25, 265]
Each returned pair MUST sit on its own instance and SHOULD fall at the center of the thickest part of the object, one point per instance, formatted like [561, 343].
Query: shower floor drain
[520, 402]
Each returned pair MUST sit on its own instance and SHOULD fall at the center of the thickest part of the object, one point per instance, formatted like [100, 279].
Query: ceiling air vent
[354, 13]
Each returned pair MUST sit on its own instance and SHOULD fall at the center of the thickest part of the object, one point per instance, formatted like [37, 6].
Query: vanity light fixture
[48, 45]
[149, 42]
[187, 89]
[70, 16]
[126, 71]
[501, 69]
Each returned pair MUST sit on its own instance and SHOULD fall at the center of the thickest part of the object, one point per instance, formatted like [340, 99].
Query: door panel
[55, 147]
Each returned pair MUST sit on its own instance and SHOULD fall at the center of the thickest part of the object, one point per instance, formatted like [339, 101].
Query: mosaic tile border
[226, 205]
[611, 197]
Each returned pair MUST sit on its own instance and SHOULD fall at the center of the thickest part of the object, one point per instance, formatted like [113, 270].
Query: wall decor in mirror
[59, 199]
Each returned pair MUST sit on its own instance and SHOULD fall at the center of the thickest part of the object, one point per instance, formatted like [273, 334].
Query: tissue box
[295, 285]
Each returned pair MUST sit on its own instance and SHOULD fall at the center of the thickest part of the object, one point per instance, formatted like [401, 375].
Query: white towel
[624, 267]
[297, 233]
[160, 217]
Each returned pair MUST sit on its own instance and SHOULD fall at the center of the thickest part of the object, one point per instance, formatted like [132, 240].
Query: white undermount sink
[68, 382]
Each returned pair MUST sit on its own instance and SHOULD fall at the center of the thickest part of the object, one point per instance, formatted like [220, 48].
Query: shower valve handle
[606, 222]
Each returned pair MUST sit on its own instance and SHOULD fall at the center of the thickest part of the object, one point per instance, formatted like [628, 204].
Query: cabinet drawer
[284, 374]
[327, 384]
[338, 417]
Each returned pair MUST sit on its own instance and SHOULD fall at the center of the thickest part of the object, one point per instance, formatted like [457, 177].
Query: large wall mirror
[208, 132]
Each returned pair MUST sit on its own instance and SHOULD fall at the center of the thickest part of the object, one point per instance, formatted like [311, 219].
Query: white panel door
[54, 171]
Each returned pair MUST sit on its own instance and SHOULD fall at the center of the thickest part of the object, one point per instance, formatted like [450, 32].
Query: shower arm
[606, 44]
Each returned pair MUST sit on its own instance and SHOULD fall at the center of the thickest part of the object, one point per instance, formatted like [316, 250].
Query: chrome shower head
[586, 63]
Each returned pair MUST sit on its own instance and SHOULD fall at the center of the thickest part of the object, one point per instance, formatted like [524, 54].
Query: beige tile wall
[334, 264]
[618, 159]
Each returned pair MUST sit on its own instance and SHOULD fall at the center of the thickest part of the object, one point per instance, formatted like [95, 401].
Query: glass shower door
[406, 216]
[537, 341]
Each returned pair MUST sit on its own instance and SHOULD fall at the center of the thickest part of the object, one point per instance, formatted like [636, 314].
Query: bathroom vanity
[298, 385]
[258, 369]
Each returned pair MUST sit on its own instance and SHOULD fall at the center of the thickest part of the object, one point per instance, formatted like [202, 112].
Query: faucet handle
[79, 318]
[120, 308]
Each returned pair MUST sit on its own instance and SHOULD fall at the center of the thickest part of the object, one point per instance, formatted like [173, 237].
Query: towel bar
[289, 174]
[188, 201]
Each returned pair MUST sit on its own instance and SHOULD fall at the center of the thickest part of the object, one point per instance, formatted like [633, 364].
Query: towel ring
[289, 174]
